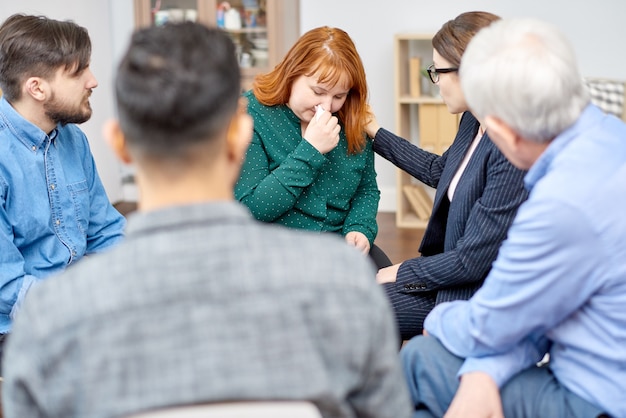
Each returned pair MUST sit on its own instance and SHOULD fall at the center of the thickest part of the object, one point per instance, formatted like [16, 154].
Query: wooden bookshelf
[421, 118]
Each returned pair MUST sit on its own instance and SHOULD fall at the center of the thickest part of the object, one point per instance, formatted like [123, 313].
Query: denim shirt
[53, 206]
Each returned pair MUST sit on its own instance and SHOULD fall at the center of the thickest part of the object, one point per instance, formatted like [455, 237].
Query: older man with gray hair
[558, 285]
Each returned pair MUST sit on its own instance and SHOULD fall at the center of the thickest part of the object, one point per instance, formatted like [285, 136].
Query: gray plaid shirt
[201, 304]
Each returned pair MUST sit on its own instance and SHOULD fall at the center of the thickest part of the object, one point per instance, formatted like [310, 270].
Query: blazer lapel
[456, 152]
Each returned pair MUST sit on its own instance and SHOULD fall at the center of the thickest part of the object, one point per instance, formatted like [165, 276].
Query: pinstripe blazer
[462, 238]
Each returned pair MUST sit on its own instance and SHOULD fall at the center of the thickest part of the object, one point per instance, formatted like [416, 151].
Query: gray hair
[524, 72]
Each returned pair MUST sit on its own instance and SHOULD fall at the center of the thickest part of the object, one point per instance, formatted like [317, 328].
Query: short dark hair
[177, 85]
[38, 46]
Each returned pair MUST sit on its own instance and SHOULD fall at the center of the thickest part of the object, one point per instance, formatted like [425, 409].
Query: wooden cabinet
[422, 118]
[263, 30]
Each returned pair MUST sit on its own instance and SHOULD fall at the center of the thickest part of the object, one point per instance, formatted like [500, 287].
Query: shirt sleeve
[423, 165]
[364, 204]
[14, 282]
[501, 367]
[486, 227]
[537, 281]
[269, 194]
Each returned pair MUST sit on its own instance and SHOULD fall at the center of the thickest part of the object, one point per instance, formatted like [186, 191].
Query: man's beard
[63, 114]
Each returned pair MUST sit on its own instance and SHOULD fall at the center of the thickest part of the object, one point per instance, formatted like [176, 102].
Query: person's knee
[411, 359]
[413, 348]
[418, 353]
[409, 353]
[420, 346]
[424, 356]
[430, 371]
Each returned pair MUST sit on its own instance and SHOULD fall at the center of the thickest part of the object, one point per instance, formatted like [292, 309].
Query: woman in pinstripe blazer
[478, 193]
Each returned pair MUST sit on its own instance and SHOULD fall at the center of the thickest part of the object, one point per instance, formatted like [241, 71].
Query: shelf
[276, 22]
[421, 118]
[405, 99]
[246, 31]
[410, 220]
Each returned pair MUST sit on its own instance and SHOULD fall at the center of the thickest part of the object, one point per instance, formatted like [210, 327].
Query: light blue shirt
[558, 284]
[53, 207]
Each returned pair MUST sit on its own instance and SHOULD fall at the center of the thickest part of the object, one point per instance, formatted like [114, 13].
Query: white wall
[109, 23]
[596, 28]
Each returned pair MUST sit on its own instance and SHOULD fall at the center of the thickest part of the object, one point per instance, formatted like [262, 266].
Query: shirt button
[52, 186]
[58, 222]
[34, 148]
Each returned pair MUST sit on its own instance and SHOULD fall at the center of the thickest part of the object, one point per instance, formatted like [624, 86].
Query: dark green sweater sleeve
[270, 193]
[364, 204]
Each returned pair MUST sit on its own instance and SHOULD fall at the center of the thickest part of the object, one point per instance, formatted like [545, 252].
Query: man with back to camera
[53, 207]
[558, 285]
[201, 303]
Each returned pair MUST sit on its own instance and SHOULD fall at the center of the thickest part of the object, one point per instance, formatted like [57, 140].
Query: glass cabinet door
[163, 11]
[262, 30]
[158, 12]
[246, 22]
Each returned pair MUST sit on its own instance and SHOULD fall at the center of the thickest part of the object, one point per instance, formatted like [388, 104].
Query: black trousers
[2, 338]
[379, 257]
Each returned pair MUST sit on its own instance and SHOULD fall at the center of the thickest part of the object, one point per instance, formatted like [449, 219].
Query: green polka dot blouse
[285, 180]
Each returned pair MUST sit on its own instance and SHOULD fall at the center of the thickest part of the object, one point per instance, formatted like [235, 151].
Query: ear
[502, 133]
[114, 136]
[37, 88]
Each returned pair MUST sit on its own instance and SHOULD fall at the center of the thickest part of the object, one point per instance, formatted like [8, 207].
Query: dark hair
[452, 39]
[331, 53]
[177, 85]
[35, 46]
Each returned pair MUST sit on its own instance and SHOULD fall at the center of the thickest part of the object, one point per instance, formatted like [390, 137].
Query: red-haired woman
[310, 164]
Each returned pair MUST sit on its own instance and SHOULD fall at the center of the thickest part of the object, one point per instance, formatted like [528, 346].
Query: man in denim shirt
[53, 207]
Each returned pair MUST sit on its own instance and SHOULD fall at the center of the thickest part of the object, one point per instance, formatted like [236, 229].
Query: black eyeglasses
[433, 72]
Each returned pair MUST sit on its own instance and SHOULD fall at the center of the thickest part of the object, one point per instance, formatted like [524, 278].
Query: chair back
[244, 409]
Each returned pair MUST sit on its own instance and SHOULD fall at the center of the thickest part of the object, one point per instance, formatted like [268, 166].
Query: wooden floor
[398, 243]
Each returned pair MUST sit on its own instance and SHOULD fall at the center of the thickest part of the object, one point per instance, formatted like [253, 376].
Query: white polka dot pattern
[286, 180]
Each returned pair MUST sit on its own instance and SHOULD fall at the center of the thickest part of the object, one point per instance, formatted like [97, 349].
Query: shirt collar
[215, 212]
[539, 169]
[26, 132]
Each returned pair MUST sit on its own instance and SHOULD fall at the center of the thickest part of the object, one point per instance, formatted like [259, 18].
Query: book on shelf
[415, 77]
[419, 200]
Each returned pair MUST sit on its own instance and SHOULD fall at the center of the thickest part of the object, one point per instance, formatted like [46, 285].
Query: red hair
[330, 54]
